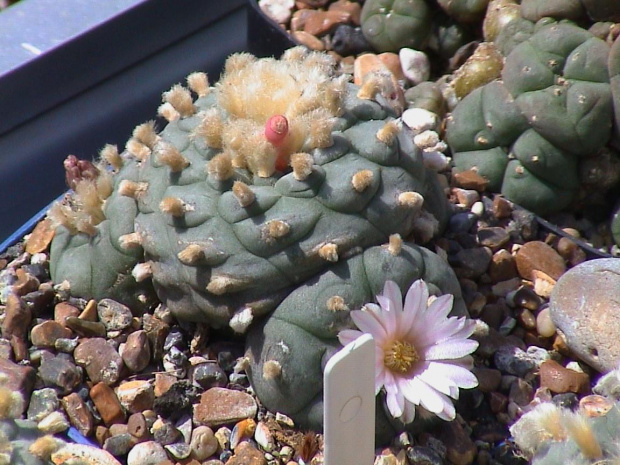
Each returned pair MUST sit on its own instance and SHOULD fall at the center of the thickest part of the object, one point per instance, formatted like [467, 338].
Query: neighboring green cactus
[552, 435]
[21, 441]
[527, 133]
[288, 351]
[390, 25]
[465, 11]
[224, 227]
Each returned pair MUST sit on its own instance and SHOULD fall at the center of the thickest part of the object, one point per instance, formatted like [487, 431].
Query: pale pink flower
[422, 355]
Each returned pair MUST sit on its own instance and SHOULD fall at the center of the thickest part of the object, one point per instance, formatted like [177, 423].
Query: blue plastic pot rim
[27, 227]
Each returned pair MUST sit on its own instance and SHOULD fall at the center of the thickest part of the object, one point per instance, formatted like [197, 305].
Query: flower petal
[441, 306]
[394, 398]
[392, 292]
[409, 390]
[415, 302]
[369, 323]
[348, 335]
[448, 413]
[450, 349]
[430, 399]
[451, 374]
[409, 412]
[388, 315]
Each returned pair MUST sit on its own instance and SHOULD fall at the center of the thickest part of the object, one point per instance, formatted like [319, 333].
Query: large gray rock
[585, 306]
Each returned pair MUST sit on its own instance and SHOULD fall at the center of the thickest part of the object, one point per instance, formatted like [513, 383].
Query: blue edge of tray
[239, 26]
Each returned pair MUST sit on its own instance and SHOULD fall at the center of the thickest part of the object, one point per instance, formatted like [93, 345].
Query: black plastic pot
[76, 75]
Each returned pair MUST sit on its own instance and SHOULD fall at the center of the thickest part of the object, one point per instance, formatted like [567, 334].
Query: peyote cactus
[21, 441]
[550, 435]
[528, 133]
[390, 25]
[210, 210]
[288, 351]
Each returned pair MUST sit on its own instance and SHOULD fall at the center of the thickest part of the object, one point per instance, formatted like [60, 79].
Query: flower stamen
[400, 356]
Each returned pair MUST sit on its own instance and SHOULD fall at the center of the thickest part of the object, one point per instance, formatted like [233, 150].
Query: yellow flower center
[400, 356]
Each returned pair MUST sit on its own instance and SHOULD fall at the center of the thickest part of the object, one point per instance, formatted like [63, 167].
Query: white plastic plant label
[349, 404]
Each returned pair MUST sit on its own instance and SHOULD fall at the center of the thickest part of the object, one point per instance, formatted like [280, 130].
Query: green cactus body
[16, 437]
[551, 435]
[553, 108]
[465, 11]
[96, 265]
[220, 228]
[390, 25]
[301, 334]
[558, 9]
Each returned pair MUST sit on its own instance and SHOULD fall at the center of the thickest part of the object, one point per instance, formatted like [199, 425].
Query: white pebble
[477, 208]
[415, 65]
[419, 120]
[203, 443]
[147, 453]
[278, 10]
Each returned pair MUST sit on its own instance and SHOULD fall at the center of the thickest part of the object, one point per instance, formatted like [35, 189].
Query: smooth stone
[203, 442]
[514, 361]
[107, 404]
[415, 65]
[47, 333]
[502, 266]
[420, 455]
[114, 315]
[118, 445]
[583, 305]
[78, 413]
[247, 454]
[60, 373]
[278, 10]
[537, 255]
[348, 40]
[353, 8]
[559, 379]
[324, 22]
[147, 453]
[42, 403]
[82, 453]
[136, 396]
[219, 406]
[473, 262]
[493, 237]
[101, 361]
[136, 352]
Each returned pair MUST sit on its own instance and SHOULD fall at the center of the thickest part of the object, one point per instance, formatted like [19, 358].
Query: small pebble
[147, 453]
[219, 406]
[118, 445]
[42, 403]
[544, 323]
[78, 413]
[349, 40]
[537, 255]
[559, 379]
[136, 396]
[203, 443]
[415, 65]
[101, 361]
[136, 352]
[114, 315]
[420, 120]
[308, 40]
[514, 361]
[278, 10]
